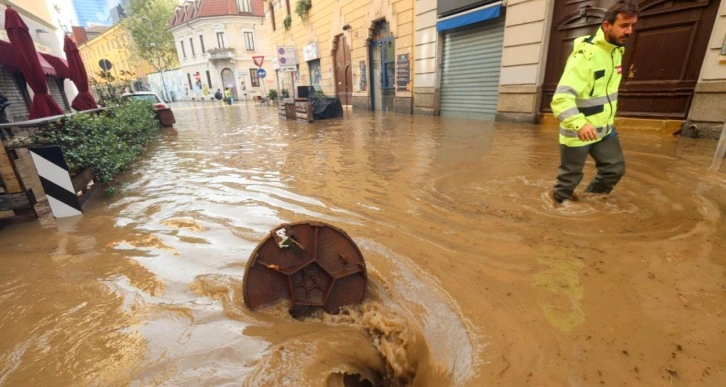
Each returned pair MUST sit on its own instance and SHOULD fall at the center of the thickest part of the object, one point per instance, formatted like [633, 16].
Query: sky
[95, 11]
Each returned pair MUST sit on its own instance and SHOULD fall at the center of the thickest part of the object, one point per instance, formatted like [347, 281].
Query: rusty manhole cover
[311, 263]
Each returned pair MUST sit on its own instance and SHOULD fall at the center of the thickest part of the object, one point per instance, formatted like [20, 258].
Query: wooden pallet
[303, 109]
[14, 196]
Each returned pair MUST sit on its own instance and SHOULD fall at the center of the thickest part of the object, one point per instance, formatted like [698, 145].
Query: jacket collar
[601, 41]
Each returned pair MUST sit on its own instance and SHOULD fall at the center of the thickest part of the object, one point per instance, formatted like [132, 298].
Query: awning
[59, 64]
[7, 58]
[487, 12]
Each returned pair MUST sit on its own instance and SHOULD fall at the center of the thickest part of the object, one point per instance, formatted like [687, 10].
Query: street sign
[288, 68]
[261, 73]
[258, 60]
[286, 56]
[105, 64]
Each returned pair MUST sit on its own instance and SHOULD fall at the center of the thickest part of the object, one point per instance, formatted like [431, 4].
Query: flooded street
[475, 277]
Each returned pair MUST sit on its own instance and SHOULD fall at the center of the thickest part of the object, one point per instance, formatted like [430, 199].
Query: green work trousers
[609, 161]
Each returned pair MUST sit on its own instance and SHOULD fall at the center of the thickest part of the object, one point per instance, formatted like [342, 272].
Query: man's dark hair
[627, 7]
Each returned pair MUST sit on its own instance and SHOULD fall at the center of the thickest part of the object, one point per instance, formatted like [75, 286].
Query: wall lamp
[346, 27]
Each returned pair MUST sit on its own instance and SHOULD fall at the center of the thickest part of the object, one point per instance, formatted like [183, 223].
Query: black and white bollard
[53, 172]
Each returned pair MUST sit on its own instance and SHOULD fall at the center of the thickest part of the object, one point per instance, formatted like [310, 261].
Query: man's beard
[614, 39]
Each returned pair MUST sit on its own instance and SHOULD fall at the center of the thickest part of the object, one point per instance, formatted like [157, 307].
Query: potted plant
[287, 22]
[272, 96]
[303, 7]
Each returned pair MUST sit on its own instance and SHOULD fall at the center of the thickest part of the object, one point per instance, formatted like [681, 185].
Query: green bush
[272, 94]
[107, 142]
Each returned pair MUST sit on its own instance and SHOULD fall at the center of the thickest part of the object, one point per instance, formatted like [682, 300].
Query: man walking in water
[585, 103]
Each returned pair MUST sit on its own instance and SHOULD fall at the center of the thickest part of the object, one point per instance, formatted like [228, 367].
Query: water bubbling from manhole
[401, 345]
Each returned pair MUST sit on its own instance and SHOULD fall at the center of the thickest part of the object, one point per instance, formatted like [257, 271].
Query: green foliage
[284, 93]
[287, 22]
[302, 7]
[109, 93]
[153, 42]
[106, 142]
[272, 94]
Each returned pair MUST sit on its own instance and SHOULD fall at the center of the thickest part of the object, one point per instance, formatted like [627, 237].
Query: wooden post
[9, 173]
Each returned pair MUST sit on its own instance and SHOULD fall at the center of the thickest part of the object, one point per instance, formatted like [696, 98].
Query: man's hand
[587, 133]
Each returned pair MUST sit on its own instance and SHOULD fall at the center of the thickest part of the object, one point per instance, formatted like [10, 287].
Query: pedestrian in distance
[227, 96]
[585, 103]
[218, 95]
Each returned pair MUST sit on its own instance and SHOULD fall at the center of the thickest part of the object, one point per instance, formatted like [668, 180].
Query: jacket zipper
[607, 86]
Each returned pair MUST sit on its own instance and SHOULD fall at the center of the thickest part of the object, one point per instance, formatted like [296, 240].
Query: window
[191, 45]
[201, 43]
[245, 6]
[220, 39]
[272, 16]
[189, 78]
[209, 79]
[288, 6]
[254, 79]
[184, 52]
[249, 41]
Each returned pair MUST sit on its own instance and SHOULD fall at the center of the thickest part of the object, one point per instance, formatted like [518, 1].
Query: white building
[217, 43]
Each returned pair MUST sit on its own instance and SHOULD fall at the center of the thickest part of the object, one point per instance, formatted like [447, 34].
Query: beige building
[359, 51]
[497, 59]
[217, 44]
[532, 38]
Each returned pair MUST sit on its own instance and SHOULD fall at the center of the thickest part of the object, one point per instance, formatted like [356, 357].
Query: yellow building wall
[114, 45]
[325, 21]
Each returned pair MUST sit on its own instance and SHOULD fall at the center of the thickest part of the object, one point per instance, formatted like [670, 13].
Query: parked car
[163, 111]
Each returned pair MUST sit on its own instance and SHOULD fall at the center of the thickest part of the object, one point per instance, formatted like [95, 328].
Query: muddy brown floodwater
[475, 277]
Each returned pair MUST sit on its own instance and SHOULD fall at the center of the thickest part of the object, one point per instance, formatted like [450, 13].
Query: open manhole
[313, 264]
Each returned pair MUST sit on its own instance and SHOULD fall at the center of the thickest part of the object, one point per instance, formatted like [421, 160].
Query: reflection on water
[476, 277]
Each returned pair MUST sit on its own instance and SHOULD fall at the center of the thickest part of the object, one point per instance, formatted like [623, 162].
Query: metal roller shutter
[18, 110]
[471, 66]
[56, 92]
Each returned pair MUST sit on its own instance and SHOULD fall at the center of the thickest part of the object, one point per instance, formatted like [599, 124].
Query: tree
[148, 22]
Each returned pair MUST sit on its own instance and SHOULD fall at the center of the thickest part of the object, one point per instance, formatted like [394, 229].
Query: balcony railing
[221, 54]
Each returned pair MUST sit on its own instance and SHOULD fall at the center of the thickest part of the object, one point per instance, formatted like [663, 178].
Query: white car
[163, 111]
[146, 96]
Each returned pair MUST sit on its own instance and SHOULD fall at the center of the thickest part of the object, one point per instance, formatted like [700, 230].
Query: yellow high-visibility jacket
[588, 89]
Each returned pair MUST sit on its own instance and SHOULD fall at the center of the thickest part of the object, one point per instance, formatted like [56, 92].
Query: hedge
[107, 141]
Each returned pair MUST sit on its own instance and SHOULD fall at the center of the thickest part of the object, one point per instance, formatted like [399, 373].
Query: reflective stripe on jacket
[588, 89]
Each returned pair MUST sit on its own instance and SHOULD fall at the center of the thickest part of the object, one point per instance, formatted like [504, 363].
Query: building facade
[220, 44]
[361, 52]
[110, 52]
[47, 37]
[497, 59]
[90, 12]
[675, 64]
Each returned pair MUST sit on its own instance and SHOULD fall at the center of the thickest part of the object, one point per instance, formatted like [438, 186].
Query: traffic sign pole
[261, 74]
